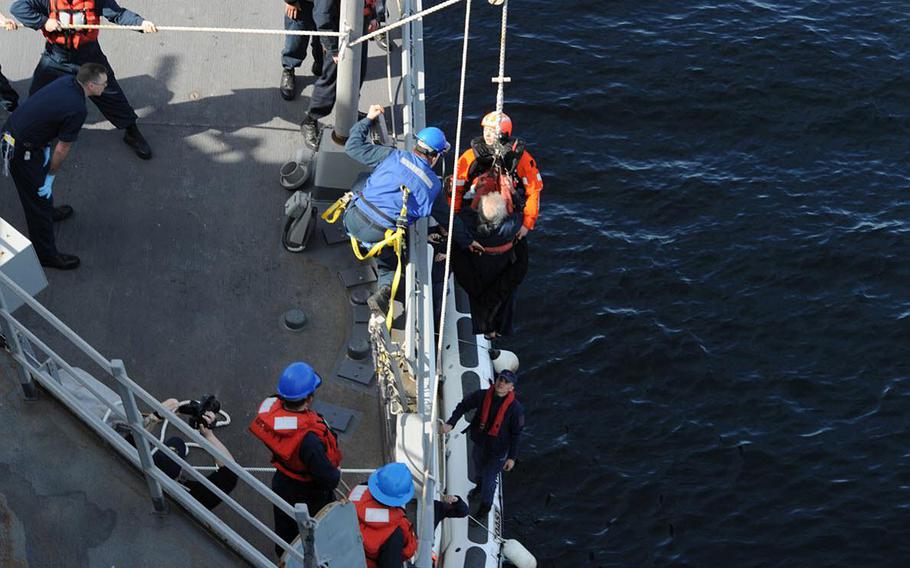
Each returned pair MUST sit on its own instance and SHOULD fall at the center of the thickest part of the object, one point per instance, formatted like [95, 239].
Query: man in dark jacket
[55, 113]
[65, 50]
[495, 430]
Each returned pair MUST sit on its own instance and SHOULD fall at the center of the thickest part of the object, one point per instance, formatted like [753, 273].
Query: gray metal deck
[183, 277]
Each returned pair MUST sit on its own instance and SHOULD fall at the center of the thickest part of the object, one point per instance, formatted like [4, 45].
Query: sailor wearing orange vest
[304, 448]
[388, 537]
[515, 160]
[495, 430]
[65, 50]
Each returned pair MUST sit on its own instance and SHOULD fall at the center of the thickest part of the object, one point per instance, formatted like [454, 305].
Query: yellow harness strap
[332, 214]
[393, 237]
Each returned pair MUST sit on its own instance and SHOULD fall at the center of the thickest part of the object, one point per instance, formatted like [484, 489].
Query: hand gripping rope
[393, 237]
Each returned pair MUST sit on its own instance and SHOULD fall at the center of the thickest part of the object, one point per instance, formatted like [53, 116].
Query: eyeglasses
[102, 85]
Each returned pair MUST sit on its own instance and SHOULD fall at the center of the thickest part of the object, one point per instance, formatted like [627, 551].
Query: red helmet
[505, 123]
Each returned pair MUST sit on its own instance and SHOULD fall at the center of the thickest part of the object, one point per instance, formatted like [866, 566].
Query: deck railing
[38, 363]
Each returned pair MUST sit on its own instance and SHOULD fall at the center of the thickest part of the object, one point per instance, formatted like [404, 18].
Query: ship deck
[183, 276]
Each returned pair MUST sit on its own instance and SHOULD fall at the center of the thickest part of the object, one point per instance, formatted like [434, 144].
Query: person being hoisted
[402, 189]
[496, 152]
[388, 536]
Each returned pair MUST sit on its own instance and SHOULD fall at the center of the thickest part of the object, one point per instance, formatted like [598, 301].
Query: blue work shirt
[34, 13]
[394, 168]
[56, 111]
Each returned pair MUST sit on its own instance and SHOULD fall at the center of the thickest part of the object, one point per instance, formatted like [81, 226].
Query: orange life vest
[485, 412]
[378, 522]
[283, 431]
[72, 12]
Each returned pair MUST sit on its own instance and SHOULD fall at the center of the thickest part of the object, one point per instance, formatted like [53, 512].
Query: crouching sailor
[401, 190]
[304, 448]
[388, 537]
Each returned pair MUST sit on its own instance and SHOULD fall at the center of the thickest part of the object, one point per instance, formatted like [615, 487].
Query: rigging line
[259, 31]
[400, 23]
[445, 283]
[502, 64]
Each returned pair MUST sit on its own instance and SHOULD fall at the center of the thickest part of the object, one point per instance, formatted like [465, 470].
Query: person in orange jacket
[388, 536]
[497, 146]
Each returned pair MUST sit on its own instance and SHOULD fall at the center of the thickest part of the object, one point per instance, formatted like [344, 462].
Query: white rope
[197, 29]
[502, 64]
[400, 23]
[445, 282]
[271, 469]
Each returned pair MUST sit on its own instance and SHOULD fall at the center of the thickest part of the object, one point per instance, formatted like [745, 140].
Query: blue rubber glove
[47, 155]
[47, 189]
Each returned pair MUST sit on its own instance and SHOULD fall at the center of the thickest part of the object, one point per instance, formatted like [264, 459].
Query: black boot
[135, 140]
[60, 261]
[288, 87]
[310, 130]
[317, 68]
[62, 212]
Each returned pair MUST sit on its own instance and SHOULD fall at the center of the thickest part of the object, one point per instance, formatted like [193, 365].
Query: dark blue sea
[715, 331]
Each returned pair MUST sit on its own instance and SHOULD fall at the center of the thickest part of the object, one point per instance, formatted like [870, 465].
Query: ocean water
[715, 339]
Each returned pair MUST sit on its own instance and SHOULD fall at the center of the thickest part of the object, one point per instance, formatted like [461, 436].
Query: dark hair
[90, 73]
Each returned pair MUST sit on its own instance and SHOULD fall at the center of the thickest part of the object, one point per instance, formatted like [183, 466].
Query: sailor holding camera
[202, 415]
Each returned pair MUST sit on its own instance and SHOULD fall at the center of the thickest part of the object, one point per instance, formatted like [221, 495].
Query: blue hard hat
[392, 484]
[432, 138]
[297, 382]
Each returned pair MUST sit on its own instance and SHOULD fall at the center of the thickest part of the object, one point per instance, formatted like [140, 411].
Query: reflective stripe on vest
[283, 431]
[383, 187]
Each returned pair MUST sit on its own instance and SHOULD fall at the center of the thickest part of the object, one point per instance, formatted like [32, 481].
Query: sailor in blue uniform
[376, 206]
[65, 50]
[495, 431]
[55, 112]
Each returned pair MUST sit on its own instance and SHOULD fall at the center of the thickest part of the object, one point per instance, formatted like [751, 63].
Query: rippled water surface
[716, 341]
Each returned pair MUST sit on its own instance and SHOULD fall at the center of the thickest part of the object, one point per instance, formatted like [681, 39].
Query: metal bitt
[347, 94]
[307, 526]
[142, 444]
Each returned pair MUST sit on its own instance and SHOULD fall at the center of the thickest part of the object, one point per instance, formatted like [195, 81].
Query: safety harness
[393, 237]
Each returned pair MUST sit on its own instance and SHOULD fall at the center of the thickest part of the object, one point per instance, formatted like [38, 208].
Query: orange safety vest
[73, 12]
[517, 162]
[378, 522]
[283, 431]
[500, 415]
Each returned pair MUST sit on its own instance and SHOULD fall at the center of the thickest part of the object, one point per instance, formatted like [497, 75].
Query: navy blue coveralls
[490, 453]
[9, 98]
[57, 60]
[326, 14]
[295, 46]
[57, 111]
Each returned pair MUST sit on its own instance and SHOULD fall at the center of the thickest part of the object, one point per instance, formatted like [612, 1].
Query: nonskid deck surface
[183, 277]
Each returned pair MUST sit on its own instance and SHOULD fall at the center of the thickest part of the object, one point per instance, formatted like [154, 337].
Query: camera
[196, 409]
